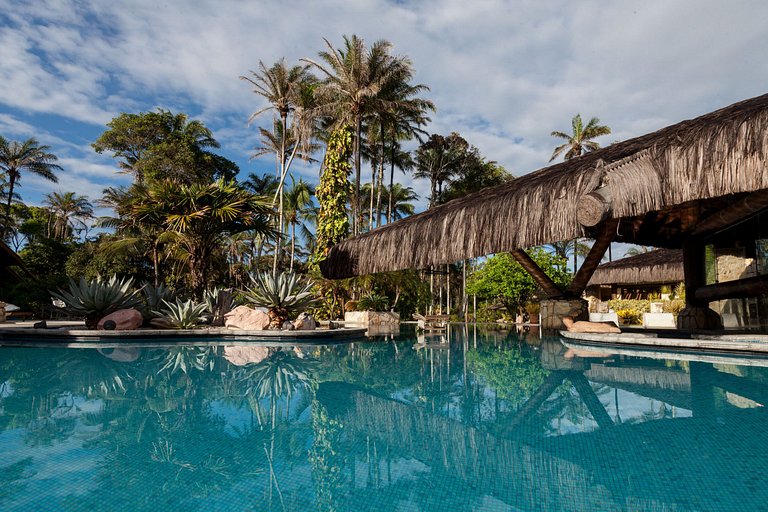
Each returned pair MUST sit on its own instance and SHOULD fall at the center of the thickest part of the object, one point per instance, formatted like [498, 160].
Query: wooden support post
[592, 260]
[695, 273]
[541, 278]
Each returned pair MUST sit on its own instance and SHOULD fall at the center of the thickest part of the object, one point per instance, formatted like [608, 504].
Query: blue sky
[504, 74]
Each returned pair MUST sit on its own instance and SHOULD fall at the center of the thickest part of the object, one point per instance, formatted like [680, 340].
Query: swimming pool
[473, 419]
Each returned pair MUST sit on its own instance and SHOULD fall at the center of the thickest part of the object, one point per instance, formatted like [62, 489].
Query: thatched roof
[655, 267]
[723, 153]
[11, 267]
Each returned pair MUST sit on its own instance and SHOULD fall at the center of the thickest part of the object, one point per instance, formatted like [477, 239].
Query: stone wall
[372, 318]
[553, 311]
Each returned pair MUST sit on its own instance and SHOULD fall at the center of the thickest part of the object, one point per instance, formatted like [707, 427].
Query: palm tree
[638, 249]
[264, 185]
[288, 91]
[437, 160]
[355, 77]
[401, 198]
[66, 208]
[298, 205]
[18, 157]
[580, 140]
[200, 216]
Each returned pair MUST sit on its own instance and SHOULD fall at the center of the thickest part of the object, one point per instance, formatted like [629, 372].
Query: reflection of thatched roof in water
[665, 384]
[721, 153]
[551, 472]
[659, 266]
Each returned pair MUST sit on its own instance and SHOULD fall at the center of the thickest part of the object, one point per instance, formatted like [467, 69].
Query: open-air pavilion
[696, 183]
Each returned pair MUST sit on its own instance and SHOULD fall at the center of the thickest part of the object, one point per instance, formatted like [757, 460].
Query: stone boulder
[247, 319]
[288, 326]
[590, 327]
[125, 320]
[305, 322]
[240, 356]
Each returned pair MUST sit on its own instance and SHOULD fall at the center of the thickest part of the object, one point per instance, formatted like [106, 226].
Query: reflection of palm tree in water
[282, 373]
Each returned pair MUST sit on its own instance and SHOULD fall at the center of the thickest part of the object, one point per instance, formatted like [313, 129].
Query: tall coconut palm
[401, 198]
[287, 90]
[401, 118]
[580, 139]
[299, 206]
[66, 209]
[354, 79]
[437, 160]
[24, 157]
[578, 142]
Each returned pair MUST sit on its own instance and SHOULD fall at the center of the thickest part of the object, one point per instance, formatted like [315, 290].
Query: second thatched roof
[718, 154]
[655, 267]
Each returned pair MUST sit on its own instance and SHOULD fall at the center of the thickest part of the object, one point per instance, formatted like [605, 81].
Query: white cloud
[503, 73]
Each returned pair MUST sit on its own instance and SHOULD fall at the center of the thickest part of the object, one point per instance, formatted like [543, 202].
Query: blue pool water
[472, 420]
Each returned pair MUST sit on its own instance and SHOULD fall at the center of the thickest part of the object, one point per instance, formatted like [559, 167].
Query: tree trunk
[390, 213]
[278, 244]
[293, 243]
[11, 184]
[356, 210]
[381, 179]
[373, 188]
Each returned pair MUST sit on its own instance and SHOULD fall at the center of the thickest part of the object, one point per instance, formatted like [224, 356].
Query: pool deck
[737, 343]
[61, 333]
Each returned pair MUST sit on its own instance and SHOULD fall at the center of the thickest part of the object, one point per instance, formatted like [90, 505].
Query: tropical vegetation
[190, 220]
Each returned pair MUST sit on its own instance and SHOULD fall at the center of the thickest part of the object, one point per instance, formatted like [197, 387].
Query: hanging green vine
[333, 193]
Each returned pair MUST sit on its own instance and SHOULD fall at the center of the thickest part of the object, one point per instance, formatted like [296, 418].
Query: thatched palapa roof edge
[655, 267]
[720, 153]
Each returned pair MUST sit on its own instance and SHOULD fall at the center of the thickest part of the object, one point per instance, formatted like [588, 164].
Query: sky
[504, 74]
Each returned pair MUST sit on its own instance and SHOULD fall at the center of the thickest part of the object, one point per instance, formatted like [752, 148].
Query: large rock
[240, 356]
[125, 319]
[305, 322]
[247, 319]
[589, 327]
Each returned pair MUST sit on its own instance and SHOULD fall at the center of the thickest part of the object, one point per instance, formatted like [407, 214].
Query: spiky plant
[97, 298]
[183, 315]
[218, 301]
[154, 297]
[281, 296]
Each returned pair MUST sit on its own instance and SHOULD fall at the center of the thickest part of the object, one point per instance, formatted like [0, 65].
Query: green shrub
[373, 302]
[639, 305]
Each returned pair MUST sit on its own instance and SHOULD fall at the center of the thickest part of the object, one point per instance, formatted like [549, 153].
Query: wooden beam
[590, 399]
[747, 287]
[595, 207]
[523, 414]
[542, 279]
[596, 253]
[741, 210]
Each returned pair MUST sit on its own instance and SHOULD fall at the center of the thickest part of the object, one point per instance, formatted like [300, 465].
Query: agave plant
[183, 315]
[218, 301]
[98, 298]
[154, 297]
[281, 296]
